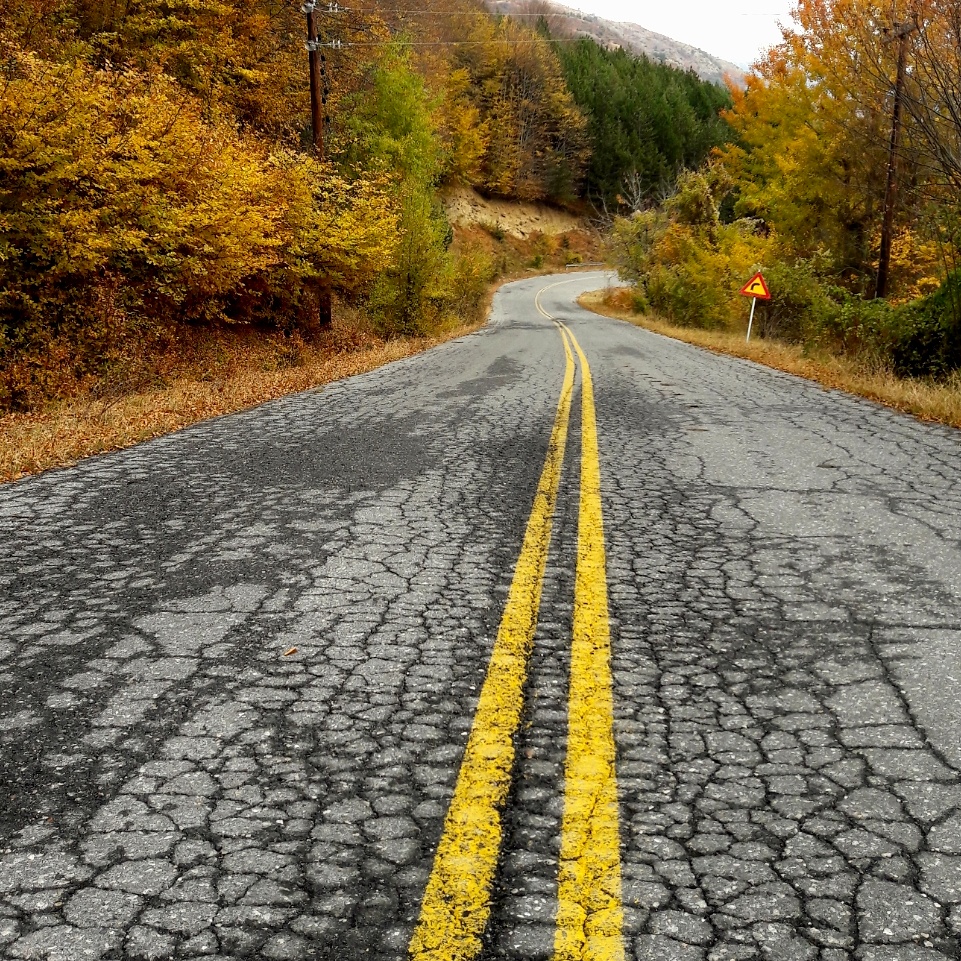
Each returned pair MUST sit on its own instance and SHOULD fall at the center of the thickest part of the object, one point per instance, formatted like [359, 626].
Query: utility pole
[899, 32]
[318, 120]
[316, 94]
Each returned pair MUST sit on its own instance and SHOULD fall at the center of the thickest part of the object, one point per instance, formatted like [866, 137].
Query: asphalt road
[249, 707]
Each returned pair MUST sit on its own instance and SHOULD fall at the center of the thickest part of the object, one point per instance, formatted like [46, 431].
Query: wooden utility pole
[318, 102]
[325, 308]
[316, 88]
[899, 32]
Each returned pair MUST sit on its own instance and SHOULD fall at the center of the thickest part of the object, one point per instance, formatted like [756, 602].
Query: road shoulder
[927, 401]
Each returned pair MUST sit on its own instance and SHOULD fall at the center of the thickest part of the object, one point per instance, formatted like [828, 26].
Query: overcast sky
[737, 30]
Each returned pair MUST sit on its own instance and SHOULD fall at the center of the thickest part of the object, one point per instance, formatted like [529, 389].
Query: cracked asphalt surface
[784, 580]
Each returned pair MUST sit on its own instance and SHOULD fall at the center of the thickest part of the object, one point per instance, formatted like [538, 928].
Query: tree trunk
[325, 307]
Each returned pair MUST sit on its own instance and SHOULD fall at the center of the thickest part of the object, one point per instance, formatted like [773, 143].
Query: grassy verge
[215, 373]
[926, 400]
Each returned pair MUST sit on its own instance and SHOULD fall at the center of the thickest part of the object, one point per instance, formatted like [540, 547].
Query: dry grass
[927, 401]
[219, 373]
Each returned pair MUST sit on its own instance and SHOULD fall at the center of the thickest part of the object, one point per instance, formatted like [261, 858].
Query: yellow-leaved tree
[813, 130]
[536, 137]
[122, 206]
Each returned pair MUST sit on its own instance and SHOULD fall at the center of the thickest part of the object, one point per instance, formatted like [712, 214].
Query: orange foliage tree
[812, 137]
[122, 205]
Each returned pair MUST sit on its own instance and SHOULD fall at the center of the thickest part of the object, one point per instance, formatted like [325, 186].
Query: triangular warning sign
[756, 287]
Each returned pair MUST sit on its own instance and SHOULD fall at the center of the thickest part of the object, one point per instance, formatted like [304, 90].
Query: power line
[340, 44]
[452, 13]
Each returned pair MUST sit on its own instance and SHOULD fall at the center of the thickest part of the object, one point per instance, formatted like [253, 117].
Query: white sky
[737, 31]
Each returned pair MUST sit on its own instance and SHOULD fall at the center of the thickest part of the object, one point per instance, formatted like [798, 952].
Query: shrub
[684, 295]
[847, 323]
[494, 229]
[470, 276]
[929, 333]
[800, 304]
[687, 264]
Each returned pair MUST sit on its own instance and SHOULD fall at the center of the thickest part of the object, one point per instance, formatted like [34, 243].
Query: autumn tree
[393, 127]
[127, 205]
[156, 167]
[811, 148]
[800, 191]
[536, 136]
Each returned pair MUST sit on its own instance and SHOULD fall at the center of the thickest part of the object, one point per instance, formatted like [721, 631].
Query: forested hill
[157, 166]
[646, 121]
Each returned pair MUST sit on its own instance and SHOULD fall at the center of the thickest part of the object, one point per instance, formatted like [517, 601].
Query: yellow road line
[544, 290]
[590, 912]
[456, 901]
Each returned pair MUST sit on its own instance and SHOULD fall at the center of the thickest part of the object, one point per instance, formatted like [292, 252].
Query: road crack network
[734, 726]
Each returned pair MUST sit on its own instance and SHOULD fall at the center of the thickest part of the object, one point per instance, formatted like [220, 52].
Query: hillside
[567, 21]
[161, 173]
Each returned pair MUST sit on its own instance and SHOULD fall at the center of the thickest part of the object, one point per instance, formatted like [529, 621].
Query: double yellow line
[456, 905]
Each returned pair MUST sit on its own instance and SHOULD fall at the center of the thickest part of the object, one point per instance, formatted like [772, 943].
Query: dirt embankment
[467, 208]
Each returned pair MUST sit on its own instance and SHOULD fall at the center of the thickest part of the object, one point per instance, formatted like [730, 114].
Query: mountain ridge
[571, 22]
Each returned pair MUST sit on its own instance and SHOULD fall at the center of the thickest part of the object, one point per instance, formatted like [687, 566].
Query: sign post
[757, 289]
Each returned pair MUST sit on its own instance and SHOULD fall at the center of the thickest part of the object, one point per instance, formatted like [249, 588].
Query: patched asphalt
[784, 579]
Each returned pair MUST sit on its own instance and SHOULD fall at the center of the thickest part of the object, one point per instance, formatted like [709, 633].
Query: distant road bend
[560, 641]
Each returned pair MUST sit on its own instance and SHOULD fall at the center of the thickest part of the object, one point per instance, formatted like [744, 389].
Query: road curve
[561, 640]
